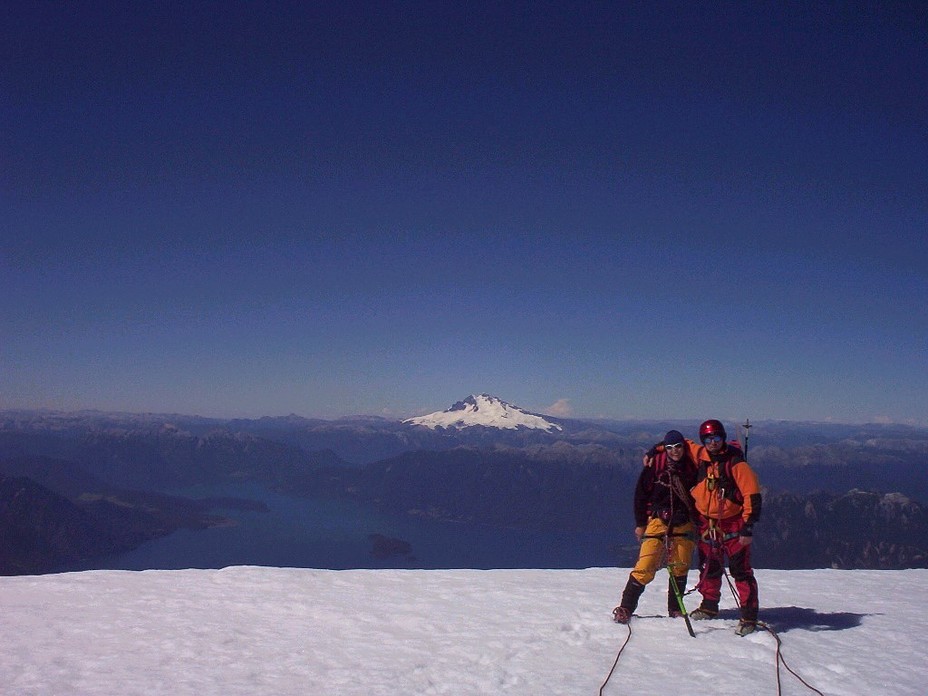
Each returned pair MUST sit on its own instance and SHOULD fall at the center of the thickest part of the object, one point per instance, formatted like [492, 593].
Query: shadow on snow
[783, 619]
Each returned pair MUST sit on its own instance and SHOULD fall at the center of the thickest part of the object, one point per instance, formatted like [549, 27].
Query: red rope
[609, 676]
[780, 659]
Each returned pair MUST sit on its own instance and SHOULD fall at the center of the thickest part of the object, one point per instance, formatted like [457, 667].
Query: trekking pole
[673, 580]
[747, 426]
[676, 592]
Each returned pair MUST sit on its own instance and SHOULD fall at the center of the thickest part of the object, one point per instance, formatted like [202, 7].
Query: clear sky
[627, 210]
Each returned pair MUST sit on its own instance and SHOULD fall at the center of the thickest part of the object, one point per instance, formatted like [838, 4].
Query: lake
[336, 534]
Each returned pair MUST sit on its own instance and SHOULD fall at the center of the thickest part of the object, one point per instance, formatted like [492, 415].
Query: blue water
[334, 534]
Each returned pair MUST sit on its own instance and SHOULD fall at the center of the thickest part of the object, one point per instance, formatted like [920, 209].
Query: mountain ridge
[577, 478]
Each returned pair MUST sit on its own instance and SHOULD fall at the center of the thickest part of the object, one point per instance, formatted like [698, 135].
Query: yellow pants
[653, 551]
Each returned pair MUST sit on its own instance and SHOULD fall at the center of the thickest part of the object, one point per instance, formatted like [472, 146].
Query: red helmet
[712, 427]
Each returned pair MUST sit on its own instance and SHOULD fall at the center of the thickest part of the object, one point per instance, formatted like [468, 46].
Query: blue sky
[626, 210]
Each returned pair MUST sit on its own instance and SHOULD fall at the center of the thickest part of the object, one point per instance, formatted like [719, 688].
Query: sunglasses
[671, 448]
[712, 438]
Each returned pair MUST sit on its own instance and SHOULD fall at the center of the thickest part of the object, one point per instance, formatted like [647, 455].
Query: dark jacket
[654, 495]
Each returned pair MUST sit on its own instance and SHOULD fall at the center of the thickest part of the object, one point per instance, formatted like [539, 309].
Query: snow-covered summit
[485, 410]
[242, 631]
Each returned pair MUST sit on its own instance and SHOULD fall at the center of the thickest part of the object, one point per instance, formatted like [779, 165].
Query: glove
[649, 456]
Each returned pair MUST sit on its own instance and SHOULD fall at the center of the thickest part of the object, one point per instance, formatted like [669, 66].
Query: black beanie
[674, 437]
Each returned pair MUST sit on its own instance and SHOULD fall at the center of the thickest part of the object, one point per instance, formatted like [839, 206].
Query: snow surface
[255, 631]
[485, 410]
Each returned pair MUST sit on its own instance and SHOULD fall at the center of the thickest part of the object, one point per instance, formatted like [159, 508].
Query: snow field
[250, 630]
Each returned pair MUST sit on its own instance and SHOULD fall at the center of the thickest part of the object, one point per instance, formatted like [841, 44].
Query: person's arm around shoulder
[693, 448]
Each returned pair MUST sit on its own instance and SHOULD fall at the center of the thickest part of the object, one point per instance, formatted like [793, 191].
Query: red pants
[714, 545]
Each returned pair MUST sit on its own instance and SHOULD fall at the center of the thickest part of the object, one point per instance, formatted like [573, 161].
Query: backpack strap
[734, 455]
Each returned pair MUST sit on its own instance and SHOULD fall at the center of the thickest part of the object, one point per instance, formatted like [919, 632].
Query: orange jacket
[726, 486]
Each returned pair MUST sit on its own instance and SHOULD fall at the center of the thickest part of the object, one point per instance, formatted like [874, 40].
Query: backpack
[725, 479]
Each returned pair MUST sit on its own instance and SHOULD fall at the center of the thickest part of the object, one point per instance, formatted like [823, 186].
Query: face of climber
[675, 452]
[713, 443]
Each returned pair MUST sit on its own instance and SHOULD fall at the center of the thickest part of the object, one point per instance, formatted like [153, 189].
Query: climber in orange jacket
[727, 499]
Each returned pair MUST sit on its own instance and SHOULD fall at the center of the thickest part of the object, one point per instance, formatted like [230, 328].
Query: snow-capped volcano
[485, 410]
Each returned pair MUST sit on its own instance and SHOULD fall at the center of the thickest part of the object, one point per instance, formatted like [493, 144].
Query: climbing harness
[714, 537]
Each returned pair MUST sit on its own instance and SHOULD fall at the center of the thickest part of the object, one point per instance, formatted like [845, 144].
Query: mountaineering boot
[706, 610]
[745, 627]
[673, 606]
[621, 615]
[630, 596]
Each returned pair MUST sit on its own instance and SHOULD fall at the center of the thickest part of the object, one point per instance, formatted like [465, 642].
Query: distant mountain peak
[487, 411]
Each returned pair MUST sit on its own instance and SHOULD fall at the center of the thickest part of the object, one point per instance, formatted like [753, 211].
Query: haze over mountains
[88, 484]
